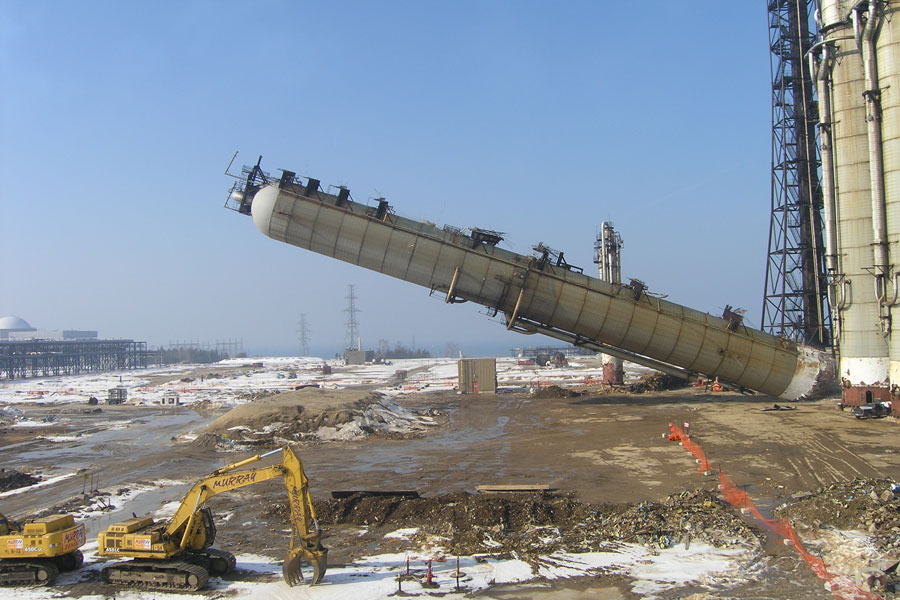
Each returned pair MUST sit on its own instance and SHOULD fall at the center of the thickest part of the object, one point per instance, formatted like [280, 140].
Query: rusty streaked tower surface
[856, 65]
[536, 294]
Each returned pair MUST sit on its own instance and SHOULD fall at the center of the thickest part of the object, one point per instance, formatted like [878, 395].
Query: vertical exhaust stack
[608, 256]
[536, 294]
[887, 48]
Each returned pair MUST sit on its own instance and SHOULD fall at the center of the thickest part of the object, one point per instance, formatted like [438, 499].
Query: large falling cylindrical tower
[857, 63]
[540, 293]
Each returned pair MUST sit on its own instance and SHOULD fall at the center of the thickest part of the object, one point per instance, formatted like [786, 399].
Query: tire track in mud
[805, 474]
[824, 460]
[829, 450]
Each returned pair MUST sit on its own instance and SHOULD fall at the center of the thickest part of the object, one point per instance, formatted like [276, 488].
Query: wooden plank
[535, 487]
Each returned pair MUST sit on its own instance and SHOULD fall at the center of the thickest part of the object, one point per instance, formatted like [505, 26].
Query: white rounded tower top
[14, 323]
[262, 207]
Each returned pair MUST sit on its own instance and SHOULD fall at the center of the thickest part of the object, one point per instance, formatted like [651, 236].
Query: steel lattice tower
[303, 335]
[352, 340]
[795, 304]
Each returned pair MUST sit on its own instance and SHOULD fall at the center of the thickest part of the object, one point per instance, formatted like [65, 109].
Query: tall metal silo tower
[858, 79]
[795, 303]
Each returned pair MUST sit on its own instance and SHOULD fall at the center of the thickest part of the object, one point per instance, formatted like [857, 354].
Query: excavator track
[70, 561]
[156, 574]
[217, 562]
[27, 572]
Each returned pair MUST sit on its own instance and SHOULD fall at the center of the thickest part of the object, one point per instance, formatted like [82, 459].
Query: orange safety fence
[842, 587]
[677, 435]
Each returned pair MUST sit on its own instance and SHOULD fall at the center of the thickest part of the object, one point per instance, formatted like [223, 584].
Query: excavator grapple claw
[291, 569]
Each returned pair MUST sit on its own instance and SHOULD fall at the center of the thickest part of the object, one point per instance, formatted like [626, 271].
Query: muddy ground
[606, 454]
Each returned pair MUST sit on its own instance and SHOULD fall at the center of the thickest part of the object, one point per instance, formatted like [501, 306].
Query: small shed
[477, 375]
[171, 399]
[359, 357]
[117, 395]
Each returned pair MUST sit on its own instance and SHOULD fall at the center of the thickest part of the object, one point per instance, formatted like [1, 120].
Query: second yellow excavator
[35, 552]
[177, 554]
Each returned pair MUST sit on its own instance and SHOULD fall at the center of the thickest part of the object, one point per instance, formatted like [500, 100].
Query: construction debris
[871, 505]
[778, 407]
[531, 524]
[10, 479]
[554, 391]
[314, 414]
[657, 382]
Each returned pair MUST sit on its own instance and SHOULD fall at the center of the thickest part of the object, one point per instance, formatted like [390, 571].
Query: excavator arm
[306, 537]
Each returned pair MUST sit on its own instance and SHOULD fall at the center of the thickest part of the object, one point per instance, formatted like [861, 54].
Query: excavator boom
[178, 554]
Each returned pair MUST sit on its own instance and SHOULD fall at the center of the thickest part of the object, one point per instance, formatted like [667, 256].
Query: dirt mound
[10, 479]
[554, 391]
[318, 415]
[657, 382]
[532, 524]
[210, 441]
[867, 504]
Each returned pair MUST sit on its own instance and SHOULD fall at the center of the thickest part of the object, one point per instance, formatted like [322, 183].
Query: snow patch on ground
[43, 483]
[243, 379]
[402, 534]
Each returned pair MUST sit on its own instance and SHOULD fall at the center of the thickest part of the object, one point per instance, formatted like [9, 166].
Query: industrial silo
[856, 62]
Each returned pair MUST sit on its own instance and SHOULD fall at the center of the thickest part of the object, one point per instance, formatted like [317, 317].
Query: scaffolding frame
[47, 358]
[795, 300]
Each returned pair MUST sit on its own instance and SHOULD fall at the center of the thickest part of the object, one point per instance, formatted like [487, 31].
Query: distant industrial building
[26, 351]
[13, 324]
[359, 357]
[55, 334]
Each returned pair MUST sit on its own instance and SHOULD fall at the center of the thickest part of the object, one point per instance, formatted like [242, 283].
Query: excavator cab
[5, 526]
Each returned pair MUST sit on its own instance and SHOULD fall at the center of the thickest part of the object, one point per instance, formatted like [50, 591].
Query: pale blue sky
[539, 119]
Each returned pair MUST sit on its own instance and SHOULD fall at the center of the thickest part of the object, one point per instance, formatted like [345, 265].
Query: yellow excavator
[35, 552]
[177, 554]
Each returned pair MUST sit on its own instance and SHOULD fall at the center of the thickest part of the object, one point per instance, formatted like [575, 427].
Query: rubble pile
[554, 391]
[313, 414]
[870, 505]
[532, 524]
[10, 479]
[9, 415]
[657, 382]
[700, 514]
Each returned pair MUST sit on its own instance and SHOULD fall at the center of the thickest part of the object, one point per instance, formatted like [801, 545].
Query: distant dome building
[13, 323]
